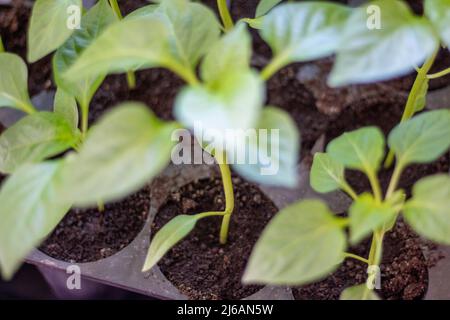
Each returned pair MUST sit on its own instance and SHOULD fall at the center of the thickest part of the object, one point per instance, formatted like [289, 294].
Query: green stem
[375, 184]
[225, 15]
[2, 47]
[394, 180]
[210, 214]
[349, 190]
[100, 206]
[27, 108]
[422, 76]
[439, 74]
[185, 73]
[84, 106]
[354, 256]
[116, 9]
[229, 196]
[131, 79]
[273, 67]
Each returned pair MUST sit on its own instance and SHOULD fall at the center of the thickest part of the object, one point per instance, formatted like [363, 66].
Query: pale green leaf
[303, 243]
[271, 152]
[366, 215]
[361, 292]
[438, 11]
[265, 6]
[30, 209]
[422, 139]
[299, 32]
[50, 26]
[34, 138]
[173, 232]
[13, 83]
[362, 149]
[428, 212]
[370, 51]
[327, 175]
[66, 105]
[123, 152]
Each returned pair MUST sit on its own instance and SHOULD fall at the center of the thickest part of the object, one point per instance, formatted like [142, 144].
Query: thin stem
[210, 214]
[422, 76]
[229, 196]
[185, 73]
[2, 47]
[273, 67]
[439, 74]
[375, 184]
[116, 9]
[394, 180]
[84, 106]
[225, 15]
[27, 108]
[100, 206]
[354, 256]
[131, 79]
[349, 190]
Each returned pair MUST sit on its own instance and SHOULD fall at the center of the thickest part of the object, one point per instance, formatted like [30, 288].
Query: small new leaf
[362, 149]
[66, 105]
[422, 139]
[428, 212]
[366, 215]
[360, 292]
[303, 243]
[327, 175]
[173, 232]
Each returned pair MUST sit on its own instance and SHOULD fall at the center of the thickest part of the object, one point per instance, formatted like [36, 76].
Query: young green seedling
[306, 241]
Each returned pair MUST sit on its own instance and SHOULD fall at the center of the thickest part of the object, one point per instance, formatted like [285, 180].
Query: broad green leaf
[381, 40]
[66, 106]
[13, 83]
[265, 6]
[362, 149]
[422, 139]
[93, 23]
[144, 11]
[327, 175]
[173, 232]
[428, 212]
[438, 11]
[231, 54]
[304, 31]
[361, 292]
[52, 23]
[271, 151]
[123, 152]
[34, 138]
[234, 103]
[174, 37]
[30, 210]
[366, 215]
[303, 243]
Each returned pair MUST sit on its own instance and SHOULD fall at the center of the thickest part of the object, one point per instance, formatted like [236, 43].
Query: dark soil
[404, 274]
[199, 266]
[13, 29]
[86, 235]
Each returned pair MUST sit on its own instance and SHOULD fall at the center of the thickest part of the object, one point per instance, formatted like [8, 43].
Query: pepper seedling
[306, 241]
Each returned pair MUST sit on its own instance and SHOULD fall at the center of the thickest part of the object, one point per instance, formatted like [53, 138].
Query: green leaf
[272, 152]
[49, 26]
[144, 11]
[366, 215]
[360, 292]
[233, 103]
[362, 149]
[66, 106]
[174, 37]
[304, 31]
[422, 139]
[369, 52]
[265, 6]
[123, 152]
[428, 212]
[30, 210]
[303, 243]
[438, 11]
[34, 138]
[327, 175]
[231, 54]
[93, 23]
[13, 83]
[173, 232]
